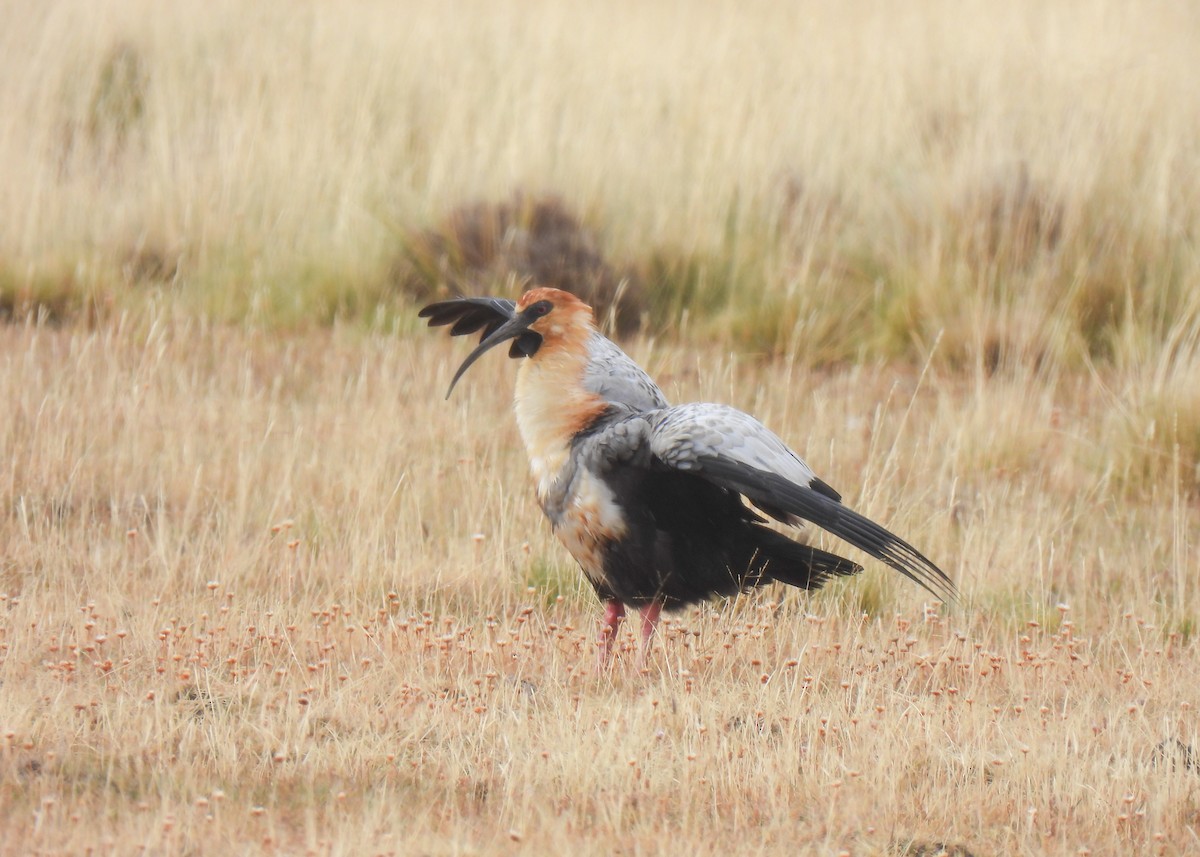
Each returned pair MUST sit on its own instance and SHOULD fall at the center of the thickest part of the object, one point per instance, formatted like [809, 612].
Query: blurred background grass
[830, 182]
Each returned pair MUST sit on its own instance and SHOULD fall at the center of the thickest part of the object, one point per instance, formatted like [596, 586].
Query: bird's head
[545, 321]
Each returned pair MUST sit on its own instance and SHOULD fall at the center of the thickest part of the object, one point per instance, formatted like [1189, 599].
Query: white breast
[540, 418]
[552, 407]
[591, 519]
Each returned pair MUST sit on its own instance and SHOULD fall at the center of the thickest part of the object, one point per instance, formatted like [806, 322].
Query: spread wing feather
[732, 449]
[770, 489]
[469, 315]
[687, 432]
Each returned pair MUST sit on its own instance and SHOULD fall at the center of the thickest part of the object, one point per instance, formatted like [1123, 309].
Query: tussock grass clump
[147, 264]
[485, 248]
[56, 295]
[1008, 223]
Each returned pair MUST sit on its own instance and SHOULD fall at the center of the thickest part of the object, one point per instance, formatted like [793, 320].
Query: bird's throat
[552, 407]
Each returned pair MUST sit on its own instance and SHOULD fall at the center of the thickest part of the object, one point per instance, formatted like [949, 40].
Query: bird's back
[613, 376]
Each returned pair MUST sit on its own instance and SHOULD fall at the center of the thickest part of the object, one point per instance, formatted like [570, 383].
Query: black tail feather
[779, 558]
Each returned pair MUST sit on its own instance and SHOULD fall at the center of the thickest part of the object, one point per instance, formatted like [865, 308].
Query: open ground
[262, 590]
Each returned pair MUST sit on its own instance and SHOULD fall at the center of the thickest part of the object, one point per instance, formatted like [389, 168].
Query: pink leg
[650, 614]
[614, 612]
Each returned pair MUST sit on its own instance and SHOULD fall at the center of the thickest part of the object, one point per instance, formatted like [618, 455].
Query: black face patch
[525, 345]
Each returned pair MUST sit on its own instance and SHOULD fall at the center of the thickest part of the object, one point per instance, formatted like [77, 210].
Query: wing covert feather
[686, 433]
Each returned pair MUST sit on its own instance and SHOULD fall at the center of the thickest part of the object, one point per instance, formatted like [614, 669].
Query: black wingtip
[816, 506]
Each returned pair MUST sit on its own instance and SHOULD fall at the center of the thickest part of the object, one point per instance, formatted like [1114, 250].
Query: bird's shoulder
[613, 375]
[621, 435]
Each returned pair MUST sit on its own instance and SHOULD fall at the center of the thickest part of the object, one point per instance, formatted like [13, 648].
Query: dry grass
[262, 590]
[276, 594]
[828, 181]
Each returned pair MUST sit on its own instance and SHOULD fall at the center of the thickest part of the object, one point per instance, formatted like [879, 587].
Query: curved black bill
[511, 329]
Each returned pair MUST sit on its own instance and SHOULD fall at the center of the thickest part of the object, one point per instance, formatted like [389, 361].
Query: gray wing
[613, 376]
[684, 434]
[733, 450]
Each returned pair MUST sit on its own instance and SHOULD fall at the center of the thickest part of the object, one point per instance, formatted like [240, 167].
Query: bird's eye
[540, 309]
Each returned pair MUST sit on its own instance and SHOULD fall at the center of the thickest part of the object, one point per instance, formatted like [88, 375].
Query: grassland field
[263, 590]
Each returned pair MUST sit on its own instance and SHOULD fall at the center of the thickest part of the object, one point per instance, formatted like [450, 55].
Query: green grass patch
[58, 294]
[551, 580]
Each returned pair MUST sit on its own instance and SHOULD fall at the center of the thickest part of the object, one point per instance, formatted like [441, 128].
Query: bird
[663, 506]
